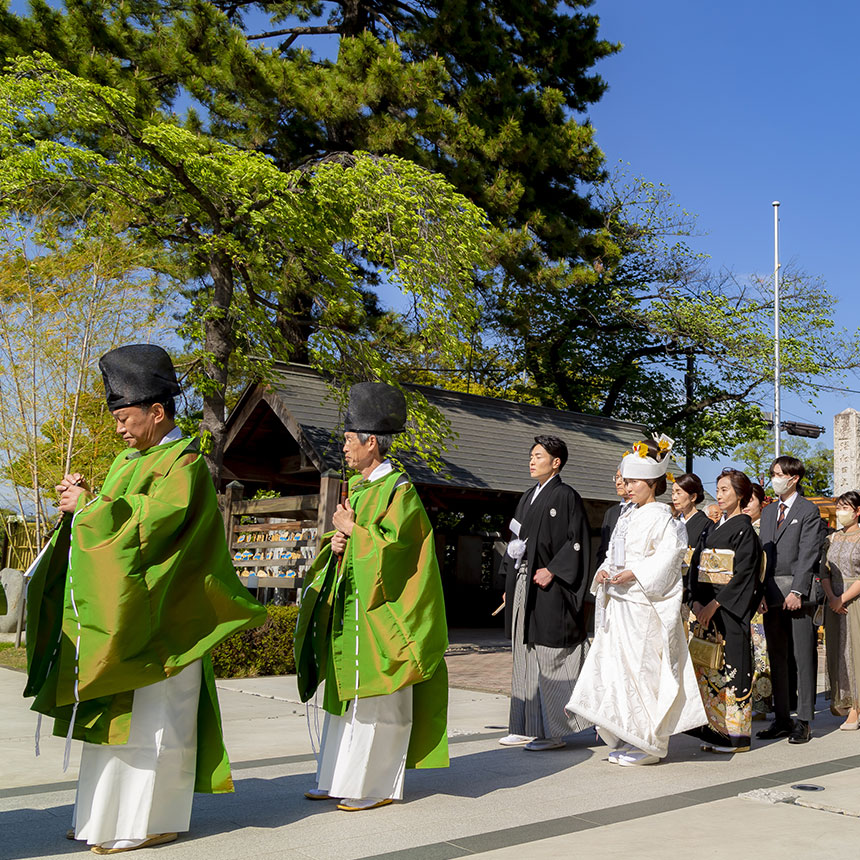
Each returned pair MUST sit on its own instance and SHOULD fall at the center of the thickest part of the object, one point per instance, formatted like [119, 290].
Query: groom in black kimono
[546, 580]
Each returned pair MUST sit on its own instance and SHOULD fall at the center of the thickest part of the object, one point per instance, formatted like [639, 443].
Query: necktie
[783, 507]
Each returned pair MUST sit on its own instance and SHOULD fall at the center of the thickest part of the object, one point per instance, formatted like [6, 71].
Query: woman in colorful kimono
[762, 696]
[724, 584]
[840, 579]
[637, 685]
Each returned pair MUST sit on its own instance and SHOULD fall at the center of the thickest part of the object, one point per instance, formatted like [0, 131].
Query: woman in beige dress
[840, 579]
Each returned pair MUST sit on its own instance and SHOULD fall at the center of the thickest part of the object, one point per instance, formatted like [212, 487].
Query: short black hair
[692, 485]
[852, 497]
[790, 466]
[554, 446]
[168, 403]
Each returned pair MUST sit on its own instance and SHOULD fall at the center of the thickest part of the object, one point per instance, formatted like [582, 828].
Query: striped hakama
[542, 682]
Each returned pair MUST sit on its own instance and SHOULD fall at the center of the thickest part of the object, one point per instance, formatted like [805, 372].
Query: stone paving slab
[730, 826]
[841, 794]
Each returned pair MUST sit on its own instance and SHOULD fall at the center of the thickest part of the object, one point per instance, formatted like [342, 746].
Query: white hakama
[363, 752]
[638, 685]
[146, 786]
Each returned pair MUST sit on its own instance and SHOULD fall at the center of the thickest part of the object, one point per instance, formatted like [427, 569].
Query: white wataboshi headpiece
[639, 465]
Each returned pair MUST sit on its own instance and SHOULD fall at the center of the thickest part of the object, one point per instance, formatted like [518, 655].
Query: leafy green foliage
[64, 300]
[757, 456]
[489, 93]
[649, 333]
[249, 232]
[595, 302]
[265, 650]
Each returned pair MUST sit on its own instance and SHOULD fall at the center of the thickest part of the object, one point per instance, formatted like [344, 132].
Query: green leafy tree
[757, 457]
[596, 302]
[63, 302]
[650, 333]
[246, 231]
[490, 94]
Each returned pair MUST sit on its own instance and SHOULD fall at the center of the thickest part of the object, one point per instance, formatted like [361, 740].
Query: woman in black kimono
[724, 576]
[687, 492]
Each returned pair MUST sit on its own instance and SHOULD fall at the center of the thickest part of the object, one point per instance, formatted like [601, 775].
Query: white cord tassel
[38, 734]
[68, 751]
[314, 733]
[310, 733]
[355, 700]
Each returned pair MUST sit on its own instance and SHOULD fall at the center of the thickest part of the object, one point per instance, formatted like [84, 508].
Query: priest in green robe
[372, 623]
[125, 603]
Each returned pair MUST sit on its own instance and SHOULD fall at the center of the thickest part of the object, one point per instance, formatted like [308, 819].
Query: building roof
[490, 443]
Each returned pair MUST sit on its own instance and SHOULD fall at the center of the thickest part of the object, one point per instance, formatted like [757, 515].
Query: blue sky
[734, 105]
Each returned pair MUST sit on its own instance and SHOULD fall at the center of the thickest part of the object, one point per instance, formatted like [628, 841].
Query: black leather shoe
[776, 730]
[801, 732]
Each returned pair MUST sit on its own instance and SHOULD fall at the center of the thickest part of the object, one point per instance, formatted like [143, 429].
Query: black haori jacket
[557, 531]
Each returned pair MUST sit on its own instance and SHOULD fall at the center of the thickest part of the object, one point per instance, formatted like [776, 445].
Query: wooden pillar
[329, 498]
[232, 493]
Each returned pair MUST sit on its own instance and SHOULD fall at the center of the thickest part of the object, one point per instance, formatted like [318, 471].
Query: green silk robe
[133, 588]
[375, 623]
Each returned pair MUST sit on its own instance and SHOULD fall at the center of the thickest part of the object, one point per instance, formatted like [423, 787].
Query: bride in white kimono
[638, 685]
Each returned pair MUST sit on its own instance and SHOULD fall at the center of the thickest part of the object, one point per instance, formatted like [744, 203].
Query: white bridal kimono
[638, 684]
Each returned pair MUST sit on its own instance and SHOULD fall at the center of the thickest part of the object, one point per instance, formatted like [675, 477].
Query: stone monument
[846, 451]
[13, 584]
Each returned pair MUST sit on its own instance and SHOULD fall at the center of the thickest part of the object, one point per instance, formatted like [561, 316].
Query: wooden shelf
[288, 526]
[279, 507]
[290, 583]
[268, 562]
[259, 544]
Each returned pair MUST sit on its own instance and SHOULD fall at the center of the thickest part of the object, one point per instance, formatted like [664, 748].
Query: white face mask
[780, 484]
[845, 518]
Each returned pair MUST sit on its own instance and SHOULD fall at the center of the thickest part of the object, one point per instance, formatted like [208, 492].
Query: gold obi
[688, 556]
[716, 566]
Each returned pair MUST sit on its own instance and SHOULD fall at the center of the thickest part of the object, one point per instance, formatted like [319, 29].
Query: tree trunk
[356, 17]
[292, 323]
[219, 348]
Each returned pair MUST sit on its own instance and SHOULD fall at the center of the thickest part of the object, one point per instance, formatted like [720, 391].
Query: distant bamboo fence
[20, 545]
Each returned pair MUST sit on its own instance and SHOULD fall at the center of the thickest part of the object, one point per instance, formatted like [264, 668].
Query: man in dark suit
[546, 571]
[791, 535]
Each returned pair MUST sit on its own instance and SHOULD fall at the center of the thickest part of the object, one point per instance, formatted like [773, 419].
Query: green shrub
[266, 650]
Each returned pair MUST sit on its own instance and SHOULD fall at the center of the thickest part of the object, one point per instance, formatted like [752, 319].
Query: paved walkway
[493, 801]
[479, 660]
